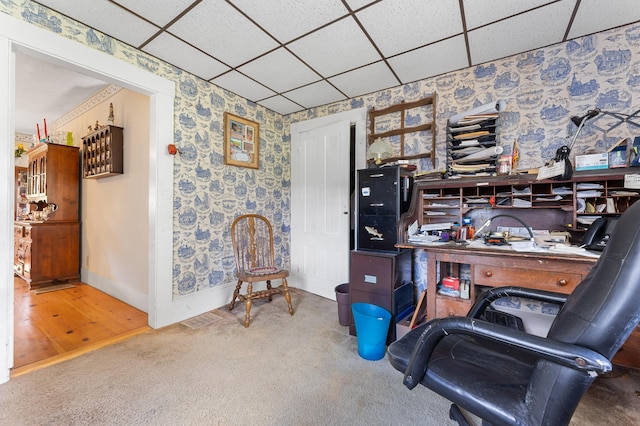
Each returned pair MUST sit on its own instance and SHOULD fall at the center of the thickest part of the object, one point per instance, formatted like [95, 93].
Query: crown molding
[96, 99]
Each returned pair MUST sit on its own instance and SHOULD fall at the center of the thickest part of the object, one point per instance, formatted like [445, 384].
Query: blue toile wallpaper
[542, 89]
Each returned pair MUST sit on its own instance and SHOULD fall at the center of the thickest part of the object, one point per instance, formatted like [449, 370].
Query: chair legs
[287, 296]
[247, 304]
[236, 292]
[249, 296]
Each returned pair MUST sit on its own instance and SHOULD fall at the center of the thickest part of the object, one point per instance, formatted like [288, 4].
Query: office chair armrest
[565, 354]
[496, 293]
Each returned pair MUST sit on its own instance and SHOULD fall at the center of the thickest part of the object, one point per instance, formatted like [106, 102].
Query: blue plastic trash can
[372, 326]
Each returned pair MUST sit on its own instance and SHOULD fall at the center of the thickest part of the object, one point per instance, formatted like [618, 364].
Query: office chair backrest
[604, 309]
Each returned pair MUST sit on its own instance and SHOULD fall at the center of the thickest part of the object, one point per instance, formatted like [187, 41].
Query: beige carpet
[282, 370]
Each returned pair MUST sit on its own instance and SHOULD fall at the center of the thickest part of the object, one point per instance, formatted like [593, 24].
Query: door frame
[358, 118]
[19, 36]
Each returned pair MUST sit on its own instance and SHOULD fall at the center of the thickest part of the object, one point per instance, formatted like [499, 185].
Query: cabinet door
[26, 261]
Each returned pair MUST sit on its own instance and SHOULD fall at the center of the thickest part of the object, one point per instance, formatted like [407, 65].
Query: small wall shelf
[401, 131]
[102, 153]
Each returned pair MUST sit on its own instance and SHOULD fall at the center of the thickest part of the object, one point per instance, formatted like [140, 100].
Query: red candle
[38, 127]
[46, 135]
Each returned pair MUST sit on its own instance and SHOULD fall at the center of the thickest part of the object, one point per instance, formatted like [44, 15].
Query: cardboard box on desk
[592, 161]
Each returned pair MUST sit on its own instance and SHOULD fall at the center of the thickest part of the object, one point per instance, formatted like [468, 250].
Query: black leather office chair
[505, 376]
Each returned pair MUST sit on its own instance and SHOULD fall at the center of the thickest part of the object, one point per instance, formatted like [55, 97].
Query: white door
[320, 202]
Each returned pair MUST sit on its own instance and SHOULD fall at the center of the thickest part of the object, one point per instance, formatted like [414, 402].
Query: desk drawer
[628, 353]
[451, 307]
[496, 276]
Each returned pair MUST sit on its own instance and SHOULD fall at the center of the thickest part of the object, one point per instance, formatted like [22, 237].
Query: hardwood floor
[55, 326]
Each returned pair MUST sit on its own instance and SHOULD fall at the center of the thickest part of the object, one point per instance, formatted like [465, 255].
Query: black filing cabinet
[383, 195]
[382, 279]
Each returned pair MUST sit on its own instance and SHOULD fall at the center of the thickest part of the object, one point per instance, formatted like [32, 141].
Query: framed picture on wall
[241, 142]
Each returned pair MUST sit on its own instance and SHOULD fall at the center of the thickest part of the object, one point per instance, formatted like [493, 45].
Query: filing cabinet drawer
[377, 233]
[496, 276]
[373, 275]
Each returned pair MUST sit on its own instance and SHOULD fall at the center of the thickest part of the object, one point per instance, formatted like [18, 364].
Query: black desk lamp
[579, 121]
[562, 153]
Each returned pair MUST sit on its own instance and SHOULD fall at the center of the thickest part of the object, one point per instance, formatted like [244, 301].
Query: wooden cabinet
[102, 153]
[21, 200]
[53, 178]
[47, 252]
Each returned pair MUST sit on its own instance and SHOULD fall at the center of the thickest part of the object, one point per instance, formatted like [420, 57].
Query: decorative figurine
[111, 119]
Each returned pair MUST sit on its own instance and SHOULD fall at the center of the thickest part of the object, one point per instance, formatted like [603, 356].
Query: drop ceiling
[291, 55]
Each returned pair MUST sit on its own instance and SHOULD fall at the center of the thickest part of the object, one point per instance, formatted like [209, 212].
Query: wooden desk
[496, 268]
[491, 267]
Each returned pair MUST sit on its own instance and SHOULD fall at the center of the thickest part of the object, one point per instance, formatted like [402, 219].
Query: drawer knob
[562, 282]
[489, 273]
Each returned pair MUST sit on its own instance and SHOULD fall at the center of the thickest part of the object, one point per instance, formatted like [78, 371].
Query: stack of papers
[518, 202]
[589, 186]
[588, 194]
[562, 190]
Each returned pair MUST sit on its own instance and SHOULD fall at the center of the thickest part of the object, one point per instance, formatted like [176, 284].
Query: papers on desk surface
[421, 237]
[525, 246]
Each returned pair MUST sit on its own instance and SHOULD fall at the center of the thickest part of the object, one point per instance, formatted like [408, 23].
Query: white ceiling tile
[401, 25]
[365, 80]
[57, 89]
[120, 24]
[479, 13]
[597, 15]
[240, 85]
[160, 12]
[337, 48]
[288, 19]
[280, 70]
[170, 49]
[357, 4]
[541, 27]
[280, 105]
[316, 94]
[220, 30]
[419, 64]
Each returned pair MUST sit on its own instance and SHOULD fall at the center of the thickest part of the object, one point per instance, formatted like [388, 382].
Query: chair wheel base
[456, 415]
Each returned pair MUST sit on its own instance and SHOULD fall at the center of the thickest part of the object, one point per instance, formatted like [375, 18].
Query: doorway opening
[21, 37]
